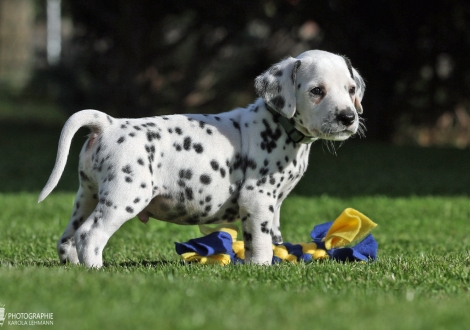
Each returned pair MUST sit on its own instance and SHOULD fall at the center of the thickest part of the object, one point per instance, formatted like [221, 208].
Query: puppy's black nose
[346, 117]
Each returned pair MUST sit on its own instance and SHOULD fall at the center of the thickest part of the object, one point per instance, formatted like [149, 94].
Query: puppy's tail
[95, 120]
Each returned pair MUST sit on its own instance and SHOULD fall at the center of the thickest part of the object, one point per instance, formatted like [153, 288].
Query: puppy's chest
[280, 176]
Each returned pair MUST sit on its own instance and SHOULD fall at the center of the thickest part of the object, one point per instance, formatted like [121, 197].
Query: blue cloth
[362, 251]
[214, 243]
[221, 242]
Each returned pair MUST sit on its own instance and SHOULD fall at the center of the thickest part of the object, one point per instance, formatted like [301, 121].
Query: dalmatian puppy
[203, 169]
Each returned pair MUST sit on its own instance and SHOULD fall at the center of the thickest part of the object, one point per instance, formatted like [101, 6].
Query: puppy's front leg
[257, 227]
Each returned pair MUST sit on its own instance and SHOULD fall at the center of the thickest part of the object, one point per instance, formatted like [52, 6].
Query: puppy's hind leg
[85, 202]
[112, 211]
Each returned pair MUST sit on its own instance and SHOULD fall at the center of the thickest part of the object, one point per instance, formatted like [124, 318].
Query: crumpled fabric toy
[347, 238]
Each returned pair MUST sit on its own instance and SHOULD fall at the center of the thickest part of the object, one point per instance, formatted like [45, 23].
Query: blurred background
[147, 57]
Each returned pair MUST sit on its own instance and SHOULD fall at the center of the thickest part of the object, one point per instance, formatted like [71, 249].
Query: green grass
[421, 280]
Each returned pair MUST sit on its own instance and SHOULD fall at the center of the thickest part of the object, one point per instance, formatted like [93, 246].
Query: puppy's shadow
[147, 263]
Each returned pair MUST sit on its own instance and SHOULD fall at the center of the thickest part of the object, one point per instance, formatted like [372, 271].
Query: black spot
[62, 251]
[235, 124]
[208, 199]
[178, 131]
[177, 147]
[143, 185]
[110, 176]
[187, 143]
[298, 86]
[278, 102]
[264, 227]
[132, 134]
[198, 148]
[263, 171]
[222, 172]
[83, 176]
[269, 137]
[278, 73]
[137, 128]
[109, 203]
[214, 165]
[140, 161]
[127, 169]
[247, 237]
[152, 136]
[217, 118]
[205, 179]
[261, 181]
[271, 179]
[250, 187]
[250, 163]
[128, 179]
[189, 193]
[181, 199]
[208, 131]
[129, 209]
[271, 208]
[202, 124]
[109, 119]
[136, 200]
[185, 174]
[121, 139]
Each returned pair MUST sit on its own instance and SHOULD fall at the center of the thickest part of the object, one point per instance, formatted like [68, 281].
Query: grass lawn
[421, 280]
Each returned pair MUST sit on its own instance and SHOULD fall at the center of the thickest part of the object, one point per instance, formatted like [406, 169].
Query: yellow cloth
[349, 228]
[239, 249]
[221, 259]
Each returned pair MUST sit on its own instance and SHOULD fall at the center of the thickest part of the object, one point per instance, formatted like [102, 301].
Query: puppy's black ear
[360, 85]
[277, 86]
[360, 90]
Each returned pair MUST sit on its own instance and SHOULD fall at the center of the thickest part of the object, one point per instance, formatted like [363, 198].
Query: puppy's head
[319, 91]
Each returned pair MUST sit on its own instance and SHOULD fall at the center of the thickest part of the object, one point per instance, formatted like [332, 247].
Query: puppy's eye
[317, 91]
[352, 90]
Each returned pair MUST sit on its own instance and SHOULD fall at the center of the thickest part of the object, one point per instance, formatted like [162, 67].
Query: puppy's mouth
[333, 135]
